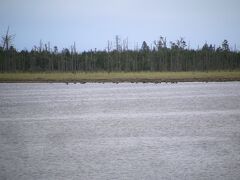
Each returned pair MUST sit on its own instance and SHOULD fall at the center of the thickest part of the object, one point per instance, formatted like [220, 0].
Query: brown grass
[120, 76]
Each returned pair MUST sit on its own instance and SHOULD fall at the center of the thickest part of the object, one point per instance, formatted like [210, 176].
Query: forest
[161, 56]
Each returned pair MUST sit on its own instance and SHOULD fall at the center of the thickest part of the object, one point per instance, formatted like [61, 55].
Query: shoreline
[119, 77]
[158, 81]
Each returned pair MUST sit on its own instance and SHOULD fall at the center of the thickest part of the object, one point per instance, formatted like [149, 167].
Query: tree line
[118, 57]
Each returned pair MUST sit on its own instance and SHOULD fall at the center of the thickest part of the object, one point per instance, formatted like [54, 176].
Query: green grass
[119, 76]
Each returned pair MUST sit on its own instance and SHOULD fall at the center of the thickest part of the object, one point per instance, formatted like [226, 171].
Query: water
[120, 131]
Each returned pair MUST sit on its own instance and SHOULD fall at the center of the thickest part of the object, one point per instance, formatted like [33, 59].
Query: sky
[91, 23]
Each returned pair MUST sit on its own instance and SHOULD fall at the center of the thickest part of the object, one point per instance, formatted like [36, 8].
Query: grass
[120, 76]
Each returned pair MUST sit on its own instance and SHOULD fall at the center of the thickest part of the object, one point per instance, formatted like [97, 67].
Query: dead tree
[7, 40]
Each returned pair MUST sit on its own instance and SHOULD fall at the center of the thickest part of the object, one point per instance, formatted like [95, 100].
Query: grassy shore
[155, 77]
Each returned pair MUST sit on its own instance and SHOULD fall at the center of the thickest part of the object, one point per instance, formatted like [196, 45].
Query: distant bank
[117, 77]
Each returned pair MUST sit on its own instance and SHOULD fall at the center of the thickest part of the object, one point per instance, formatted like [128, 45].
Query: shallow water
[120, 131]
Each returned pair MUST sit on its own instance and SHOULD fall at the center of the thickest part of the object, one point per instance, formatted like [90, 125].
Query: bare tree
[161, 43]
[109, 46]
[125, 44]
[118, 43]
[7, 40]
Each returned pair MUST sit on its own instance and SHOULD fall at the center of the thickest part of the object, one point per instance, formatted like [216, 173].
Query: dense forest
[118, 57]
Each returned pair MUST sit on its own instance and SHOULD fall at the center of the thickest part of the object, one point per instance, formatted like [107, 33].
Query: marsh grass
[119, 76]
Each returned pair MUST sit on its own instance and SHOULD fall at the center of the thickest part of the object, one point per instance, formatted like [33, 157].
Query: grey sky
[91, 23]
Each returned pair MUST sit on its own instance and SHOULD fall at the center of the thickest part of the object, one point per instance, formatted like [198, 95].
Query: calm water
[120, 131]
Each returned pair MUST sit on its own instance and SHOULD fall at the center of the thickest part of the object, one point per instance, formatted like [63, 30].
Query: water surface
[120, 131]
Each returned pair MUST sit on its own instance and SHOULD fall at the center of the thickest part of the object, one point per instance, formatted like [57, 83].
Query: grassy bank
[121, 76]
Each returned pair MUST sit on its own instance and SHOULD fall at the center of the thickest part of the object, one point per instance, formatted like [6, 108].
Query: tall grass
[119, 76]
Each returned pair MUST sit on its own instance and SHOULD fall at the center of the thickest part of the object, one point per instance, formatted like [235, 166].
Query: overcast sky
[90, 23]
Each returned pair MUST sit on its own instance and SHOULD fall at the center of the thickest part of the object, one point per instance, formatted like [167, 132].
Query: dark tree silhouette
[119, 57]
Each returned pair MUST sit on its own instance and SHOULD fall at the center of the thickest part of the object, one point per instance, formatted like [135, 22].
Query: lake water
[120, 131]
